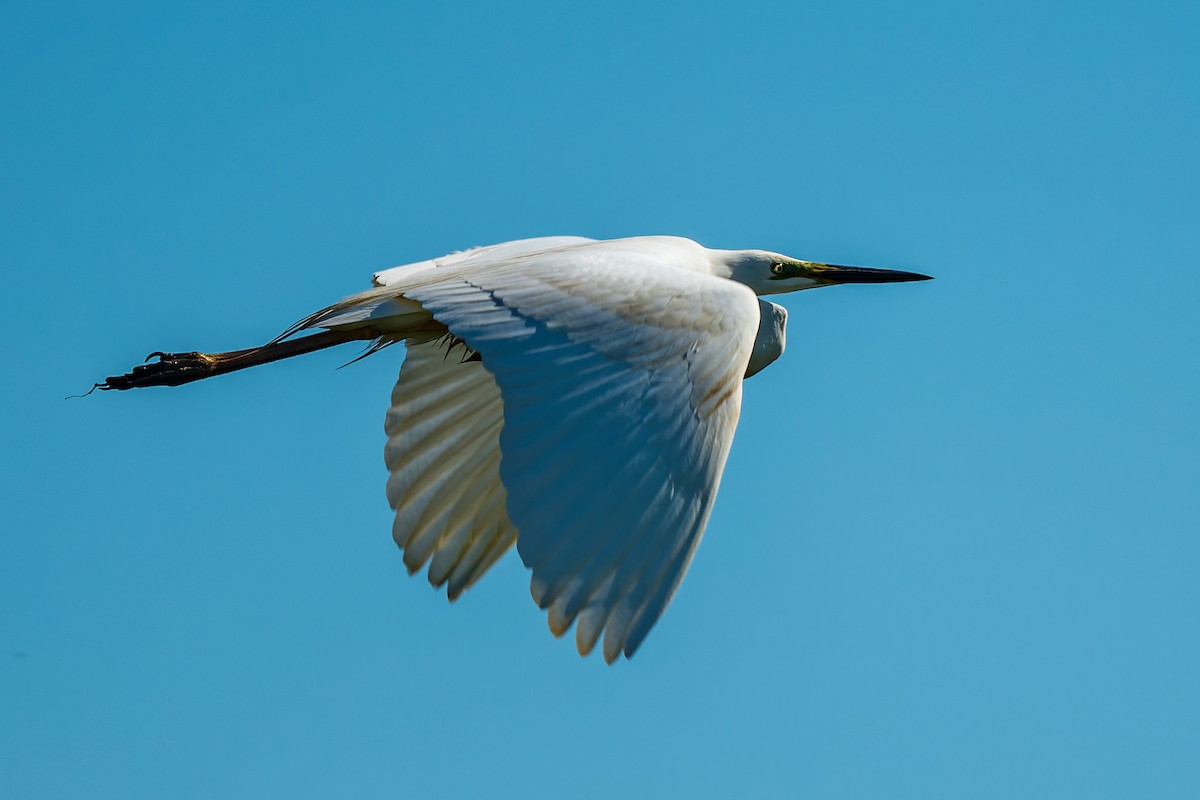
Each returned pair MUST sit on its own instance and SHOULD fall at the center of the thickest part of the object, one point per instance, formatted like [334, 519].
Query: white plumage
[620, 373]
[576, 397]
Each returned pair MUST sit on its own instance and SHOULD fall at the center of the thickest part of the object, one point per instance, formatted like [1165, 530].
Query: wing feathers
[597, 423]
[443, 453]
[615, 430]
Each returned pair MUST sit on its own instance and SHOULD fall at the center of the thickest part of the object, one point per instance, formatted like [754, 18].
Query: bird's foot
[171, 369]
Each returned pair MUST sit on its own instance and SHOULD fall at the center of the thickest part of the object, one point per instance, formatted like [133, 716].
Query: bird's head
[772, 273]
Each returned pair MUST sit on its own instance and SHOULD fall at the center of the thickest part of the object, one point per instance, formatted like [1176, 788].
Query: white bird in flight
[573, 396]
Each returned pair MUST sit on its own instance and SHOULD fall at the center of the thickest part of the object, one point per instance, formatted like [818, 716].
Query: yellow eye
[777, 268]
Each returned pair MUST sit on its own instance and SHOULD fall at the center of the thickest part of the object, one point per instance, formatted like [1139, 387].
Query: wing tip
[584, 648]
[558, 626]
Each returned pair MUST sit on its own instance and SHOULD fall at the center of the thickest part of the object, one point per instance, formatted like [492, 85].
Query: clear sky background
[956, 550]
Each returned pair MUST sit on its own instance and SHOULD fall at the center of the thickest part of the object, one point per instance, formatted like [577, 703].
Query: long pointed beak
[833, 273]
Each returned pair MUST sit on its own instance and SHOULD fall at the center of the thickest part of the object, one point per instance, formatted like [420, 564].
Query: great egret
[576, 397]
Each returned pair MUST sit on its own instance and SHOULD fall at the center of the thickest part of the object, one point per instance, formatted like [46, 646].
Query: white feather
[609, 387]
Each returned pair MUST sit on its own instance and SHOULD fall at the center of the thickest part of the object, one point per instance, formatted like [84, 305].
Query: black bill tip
[834, 273]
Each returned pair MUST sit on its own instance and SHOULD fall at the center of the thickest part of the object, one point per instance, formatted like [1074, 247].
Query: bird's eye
[777, 268]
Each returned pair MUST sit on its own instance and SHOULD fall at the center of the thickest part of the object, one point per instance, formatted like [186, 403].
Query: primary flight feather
[576, 397]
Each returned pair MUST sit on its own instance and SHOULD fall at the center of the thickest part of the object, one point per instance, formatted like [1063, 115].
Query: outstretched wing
[443, 449]
[490, 254]
[443, 453]
[620, 377]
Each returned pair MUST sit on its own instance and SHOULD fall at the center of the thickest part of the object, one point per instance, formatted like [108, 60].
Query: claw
[160, 355]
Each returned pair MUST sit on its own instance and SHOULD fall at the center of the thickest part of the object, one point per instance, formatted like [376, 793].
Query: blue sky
[956, 548]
